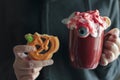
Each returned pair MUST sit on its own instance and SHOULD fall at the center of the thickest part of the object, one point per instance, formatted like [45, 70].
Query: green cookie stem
[29, 37]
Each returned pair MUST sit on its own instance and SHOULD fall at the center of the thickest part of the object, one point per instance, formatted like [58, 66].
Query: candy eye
[83, 31]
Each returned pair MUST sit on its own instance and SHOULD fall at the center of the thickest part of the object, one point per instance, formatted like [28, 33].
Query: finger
[114, 31]
[23, 73]
[103, 60]
[36, 70]
[111, 46]
[26, 77]
[19, 63]
[35, 64]
[112, 38]
[36, 75]
[31, 63]
[29, 76]
[116, 40]
[23, 48]
[110, 56]
[20, 49]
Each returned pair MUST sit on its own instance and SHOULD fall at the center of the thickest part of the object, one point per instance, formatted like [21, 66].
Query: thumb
[20, 50]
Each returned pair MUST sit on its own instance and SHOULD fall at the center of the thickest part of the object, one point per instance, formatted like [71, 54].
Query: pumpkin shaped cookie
[45, 45]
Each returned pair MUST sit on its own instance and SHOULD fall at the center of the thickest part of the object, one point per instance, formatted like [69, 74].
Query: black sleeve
[109, 72]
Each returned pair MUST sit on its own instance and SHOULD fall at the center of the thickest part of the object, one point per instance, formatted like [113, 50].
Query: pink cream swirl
[91, 20]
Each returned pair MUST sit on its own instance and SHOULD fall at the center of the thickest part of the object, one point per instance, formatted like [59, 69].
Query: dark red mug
[85, 52]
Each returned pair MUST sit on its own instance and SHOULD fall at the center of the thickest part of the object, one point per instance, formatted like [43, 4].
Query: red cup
[85, 52]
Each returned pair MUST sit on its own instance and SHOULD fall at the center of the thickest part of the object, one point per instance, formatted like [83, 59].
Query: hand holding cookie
[27, 66]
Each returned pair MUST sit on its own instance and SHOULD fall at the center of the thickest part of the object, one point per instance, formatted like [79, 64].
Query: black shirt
[44, 16]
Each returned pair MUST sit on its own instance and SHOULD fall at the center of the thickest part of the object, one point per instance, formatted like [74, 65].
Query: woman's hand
[111, 47]
[24, 67]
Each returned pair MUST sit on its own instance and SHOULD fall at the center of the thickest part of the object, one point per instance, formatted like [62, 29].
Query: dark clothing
[18, 17]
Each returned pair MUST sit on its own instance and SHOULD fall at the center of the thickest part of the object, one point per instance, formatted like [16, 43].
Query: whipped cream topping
[90, 20]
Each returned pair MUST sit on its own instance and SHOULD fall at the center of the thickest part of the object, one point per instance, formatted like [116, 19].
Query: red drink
[85, 52]
[86, 38]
